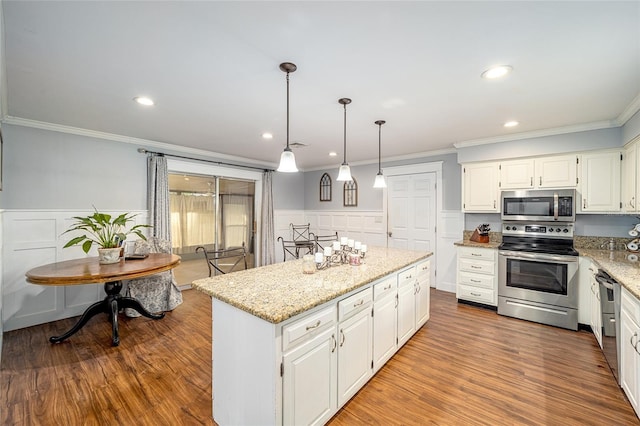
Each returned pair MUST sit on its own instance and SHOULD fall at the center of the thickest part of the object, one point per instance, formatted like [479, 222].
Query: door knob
[389, 234]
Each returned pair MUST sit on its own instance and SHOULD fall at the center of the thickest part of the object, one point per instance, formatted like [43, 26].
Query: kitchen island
[292, 348]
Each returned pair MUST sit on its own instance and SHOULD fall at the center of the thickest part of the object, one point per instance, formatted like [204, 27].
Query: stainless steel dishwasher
[610, 305]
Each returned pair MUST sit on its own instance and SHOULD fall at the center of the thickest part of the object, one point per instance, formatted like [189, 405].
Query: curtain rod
[221, 163]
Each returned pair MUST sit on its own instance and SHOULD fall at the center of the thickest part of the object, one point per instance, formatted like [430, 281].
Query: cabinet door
[406, 312]
[385, 331]
[480, 187]
[309, 390]
[516, 174]
[422, 300]
[629, 181]
[355, 338]
[556, 172]
[629, 358]
[596, 311]
[600, 186]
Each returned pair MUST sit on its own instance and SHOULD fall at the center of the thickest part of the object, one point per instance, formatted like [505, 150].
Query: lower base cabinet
[629, 351]
[385, 320]
[310, 385]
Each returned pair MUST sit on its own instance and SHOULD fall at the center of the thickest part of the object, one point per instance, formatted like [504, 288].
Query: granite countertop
[619, 264]
[280, 291]
[469, 243]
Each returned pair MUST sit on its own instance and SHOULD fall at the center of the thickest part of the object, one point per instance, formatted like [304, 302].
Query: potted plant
[106, 232]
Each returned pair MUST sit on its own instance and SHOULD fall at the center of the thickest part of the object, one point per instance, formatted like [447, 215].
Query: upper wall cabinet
[480, 188]
[600, 184]
[545, 172]
[517, 174]
[630, 179]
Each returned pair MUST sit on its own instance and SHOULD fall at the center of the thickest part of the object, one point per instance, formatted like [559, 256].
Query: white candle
[327, 251]
[350, 243]
[319, 257]
[363, 248]
[336, 245]
[343, 241]
[357, 245]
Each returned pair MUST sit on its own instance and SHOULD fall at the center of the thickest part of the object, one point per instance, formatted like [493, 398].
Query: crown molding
[414, 156]
[596, 125]
[629, 111]
[147, 143]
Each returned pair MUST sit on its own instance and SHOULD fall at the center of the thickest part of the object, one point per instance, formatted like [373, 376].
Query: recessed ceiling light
[267, 135]
[497, 71]
[143, 100]
[333, 154]
[511, 124]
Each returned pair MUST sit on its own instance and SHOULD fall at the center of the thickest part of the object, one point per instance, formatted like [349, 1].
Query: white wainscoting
[451, 230]
[33, 238]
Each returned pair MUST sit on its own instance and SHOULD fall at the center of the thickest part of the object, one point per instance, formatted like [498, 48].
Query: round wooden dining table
[88, 270]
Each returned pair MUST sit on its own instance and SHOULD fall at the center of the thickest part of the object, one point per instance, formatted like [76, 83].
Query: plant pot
[108, 255]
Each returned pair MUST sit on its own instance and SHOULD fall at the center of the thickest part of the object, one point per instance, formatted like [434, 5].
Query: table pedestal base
[111, 305]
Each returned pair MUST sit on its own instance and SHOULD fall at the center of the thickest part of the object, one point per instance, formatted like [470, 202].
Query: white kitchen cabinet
[385, 321]
[595, 309]
[477, 275]
[556, 171]
[355, 337]
[423, 296]
[600, 184]
[629, 351]
[480, 187]
[629, 178]
[310, 385]
[406, 305]
[517, 174]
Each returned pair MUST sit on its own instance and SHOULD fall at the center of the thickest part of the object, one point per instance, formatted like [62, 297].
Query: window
[351, 193]
[325, 187]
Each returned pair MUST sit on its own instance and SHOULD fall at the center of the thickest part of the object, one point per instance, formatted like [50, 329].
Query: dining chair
[303, 239]
[214, 258]
[324, 240]
[158, 292]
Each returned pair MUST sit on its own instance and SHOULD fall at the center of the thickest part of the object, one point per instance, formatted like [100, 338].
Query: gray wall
[370, 198]
[288, 191]
[547, 145]
[51, 170]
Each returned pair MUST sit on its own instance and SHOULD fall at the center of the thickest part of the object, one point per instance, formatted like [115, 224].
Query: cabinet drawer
[477, 253]
[476, 294]
[406, 276]
[302, 329]
[476, 280]
[387, 286]
[423, 267]
[477, 266]
[631, 305]
[354, 304]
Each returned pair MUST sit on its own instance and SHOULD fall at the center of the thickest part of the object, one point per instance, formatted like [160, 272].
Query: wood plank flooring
[467, 366]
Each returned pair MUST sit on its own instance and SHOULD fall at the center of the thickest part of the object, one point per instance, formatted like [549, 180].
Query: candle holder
[343, 256]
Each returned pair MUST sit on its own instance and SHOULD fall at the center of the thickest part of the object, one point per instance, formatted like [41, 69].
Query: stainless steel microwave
[539, 205]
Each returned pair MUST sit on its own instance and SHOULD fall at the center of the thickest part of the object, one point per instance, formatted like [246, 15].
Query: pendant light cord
[379, 149]
[288, 110]
[345, 134]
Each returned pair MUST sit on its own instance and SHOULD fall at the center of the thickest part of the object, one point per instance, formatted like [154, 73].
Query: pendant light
[345, 172]
[379, 182]
[287, 159]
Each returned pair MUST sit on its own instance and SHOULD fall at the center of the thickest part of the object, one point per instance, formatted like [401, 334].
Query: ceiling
[212, 69]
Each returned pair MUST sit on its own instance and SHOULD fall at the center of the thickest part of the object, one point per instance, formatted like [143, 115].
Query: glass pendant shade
[344, 174]
[287, 162]
[380, 181]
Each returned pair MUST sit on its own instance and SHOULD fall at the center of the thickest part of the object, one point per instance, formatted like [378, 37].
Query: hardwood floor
[467, 366]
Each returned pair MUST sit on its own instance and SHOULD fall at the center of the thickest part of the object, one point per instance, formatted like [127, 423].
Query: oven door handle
[537, 256]
[555, 206]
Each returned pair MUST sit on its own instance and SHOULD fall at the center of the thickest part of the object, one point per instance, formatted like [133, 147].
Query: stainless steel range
[538, 273]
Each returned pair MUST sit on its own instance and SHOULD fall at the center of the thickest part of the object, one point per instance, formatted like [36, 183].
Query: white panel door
[411, 207]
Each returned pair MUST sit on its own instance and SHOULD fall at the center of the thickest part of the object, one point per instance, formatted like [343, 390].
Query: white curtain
[237, 220]
[267, 228]
[158, 196]
[192, 220]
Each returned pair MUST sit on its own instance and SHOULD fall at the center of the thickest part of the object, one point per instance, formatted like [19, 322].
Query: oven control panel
[548, 230]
